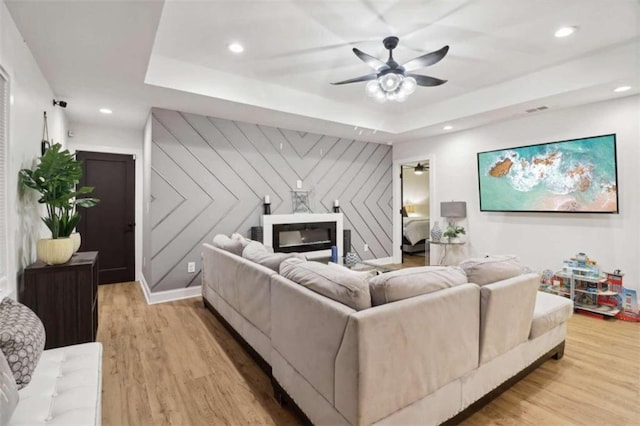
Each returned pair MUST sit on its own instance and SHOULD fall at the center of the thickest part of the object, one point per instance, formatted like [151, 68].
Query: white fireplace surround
[268, 220]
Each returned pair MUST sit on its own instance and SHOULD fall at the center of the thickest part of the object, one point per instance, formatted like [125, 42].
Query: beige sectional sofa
[426, 359]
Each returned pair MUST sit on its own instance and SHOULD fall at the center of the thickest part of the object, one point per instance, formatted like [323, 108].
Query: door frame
[138, 189]
[397, 202]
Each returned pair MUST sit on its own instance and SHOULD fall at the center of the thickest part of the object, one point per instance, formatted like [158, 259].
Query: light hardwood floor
[412, 260]
[175, 364]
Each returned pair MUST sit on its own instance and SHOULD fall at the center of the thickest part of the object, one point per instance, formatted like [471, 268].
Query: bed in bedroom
[415, 232]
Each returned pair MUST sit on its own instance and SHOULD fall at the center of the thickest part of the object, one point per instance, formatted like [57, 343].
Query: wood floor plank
[175, 364]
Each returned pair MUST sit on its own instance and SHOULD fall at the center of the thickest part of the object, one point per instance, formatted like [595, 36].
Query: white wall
[30, 96]
[146, 249]
[115, 140]
[543, 240]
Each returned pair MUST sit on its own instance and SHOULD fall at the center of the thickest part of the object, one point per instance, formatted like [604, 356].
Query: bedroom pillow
[22, 339]
[258, 253]
[411, 282]
[223, 242]
[490, 269]
[8, 391]
[340, 284]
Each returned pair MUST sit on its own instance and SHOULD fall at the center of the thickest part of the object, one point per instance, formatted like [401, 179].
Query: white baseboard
[168, 295]
[381, 261]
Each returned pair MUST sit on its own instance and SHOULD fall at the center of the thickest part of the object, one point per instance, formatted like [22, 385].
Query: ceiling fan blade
[426, 60]
[358, 79]
[425, 80]
[372, 61]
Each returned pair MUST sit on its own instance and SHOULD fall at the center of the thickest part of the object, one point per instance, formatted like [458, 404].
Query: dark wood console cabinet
[65, 298]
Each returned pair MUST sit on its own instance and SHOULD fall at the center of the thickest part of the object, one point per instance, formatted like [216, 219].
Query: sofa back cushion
[340, 284]
[8, 391]
[259, 253]
[506, 314]
[410, 282]
[223, 242]
[491, 269]
[22, 338]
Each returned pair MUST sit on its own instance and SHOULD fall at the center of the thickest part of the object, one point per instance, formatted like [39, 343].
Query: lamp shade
[453, 209]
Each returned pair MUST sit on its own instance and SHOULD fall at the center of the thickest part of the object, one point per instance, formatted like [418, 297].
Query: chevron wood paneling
[209, 176]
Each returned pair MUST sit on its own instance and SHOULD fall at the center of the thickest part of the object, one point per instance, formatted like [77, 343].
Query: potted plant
[453, 232]
[55, 178]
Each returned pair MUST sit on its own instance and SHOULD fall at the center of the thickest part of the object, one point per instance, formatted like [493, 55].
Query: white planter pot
[54, 252]
[75, 237]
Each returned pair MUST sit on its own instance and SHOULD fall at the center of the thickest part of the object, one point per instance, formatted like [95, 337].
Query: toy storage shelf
[579, 287]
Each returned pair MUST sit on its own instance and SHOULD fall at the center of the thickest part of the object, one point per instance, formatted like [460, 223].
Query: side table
[65, 298]
[445, 245]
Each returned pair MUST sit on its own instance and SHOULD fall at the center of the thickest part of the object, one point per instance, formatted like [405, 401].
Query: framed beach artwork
[573, 176]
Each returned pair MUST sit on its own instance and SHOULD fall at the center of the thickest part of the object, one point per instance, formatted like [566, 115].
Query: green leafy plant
[453, 231]
[55, 178]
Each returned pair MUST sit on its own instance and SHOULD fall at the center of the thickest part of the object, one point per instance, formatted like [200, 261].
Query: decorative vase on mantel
[436, 232]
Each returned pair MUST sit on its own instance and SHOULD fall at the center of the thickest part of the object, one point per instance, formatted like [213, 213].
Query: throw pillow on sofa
[259, 253]
[223, 242]
[488, 270]
[8, 391]
[340, 284]
[244, 242]
[411, 282]
[22, 339]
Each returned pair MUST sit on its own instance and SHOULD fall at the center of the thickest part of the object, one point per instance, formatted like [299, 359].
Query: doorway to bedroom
[414, 190]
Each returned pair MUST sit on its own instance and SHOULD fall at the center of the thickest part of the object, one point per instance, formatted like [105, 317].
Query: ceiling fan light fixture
[419, 169]
[409, 85]
[373, 88]
[390, 82]
[380, 97]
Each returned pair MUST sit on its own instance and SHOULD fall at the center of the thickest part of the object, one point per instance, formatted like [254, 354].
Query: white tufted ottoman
[66, 388]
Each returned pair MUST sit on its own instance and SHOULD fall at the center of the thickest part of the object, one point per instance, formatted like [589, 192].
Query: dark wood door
[108, 228]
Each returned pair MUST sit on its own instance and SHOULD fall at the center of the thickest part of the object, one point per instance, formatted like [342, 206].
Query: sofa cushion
[258, 253]
[22, 339]
[244, 241]
[410, 282]
[340, 284]
[8, 391]
[491, 269]
[550, 311]
[364, 274]
[506, 312]
[223, 242]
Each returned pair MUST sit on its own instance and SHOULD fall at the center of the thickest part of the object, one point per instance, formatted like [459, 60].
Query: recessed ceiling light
[621, 89]
[105, 111]
[565, 32]
[447, 127]
[236, 48]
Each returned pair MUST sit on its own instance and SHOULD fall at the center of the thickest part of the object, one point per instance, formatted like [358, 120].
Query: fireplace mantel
[268, 221]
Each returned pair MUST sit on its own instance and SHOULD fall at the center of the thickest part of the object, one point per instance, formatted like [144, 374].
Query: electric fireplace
[304, 237]
[312, 234]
